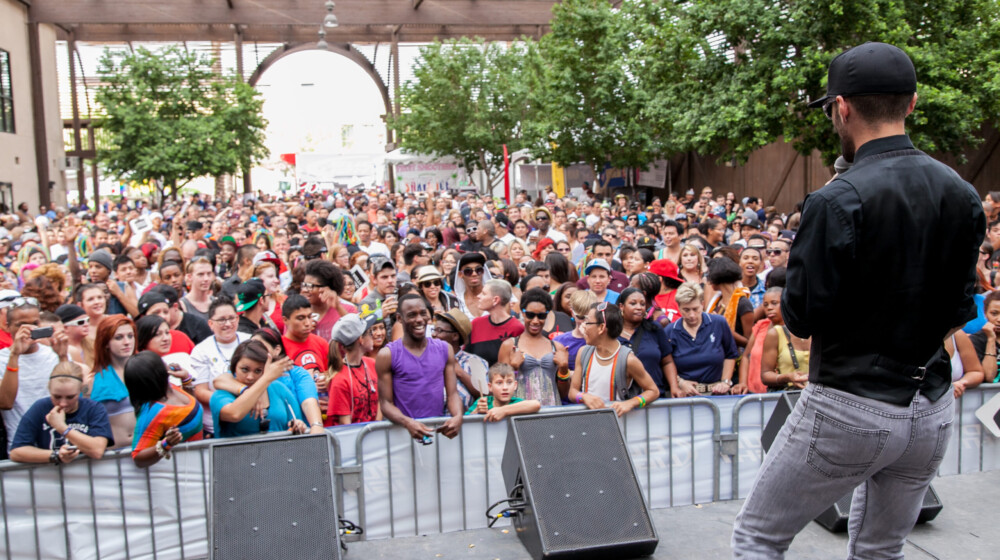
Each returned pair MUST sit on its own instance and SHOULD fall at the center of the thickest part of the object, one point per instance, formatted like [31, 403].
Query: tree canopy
[623, 85]
[169, 119]
[467, 100]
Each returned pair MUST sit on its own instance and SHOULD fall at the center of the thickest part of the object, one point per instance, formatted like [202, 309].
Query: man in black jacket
[881, 272]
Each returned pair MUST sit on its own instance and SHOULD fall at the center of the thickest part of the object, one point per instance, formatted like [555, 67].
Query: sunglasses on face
[477, 271]
[532, 315]
[828, 107]
[78, 323]
[431, 283]
[471, 230]
[541, 218]
[774, 252]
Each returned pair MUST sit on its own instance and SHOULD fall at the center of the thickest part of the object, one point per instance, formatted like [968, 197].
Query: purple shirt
[418, 381]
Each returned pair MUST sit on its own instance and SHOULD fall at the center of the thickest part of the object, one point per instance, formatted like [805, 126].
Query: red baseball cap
[665, 268]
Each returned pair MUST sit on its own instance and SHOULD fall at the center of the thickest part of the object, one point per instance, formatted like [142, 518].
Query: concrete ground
[966, 529]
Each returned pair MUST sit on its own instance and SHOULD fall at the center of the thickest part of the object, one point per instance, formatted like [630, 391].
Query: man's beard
[847, 147]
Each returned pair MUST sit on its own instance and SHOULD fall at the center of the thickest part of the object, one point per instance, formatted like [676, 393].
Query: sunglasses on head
[477, 271]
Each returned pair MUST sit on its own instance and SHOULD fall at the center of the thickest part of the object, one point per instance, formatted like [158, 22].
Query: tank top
[957, 368]
[536, 377]
[599, 376]
[418, 381]
[785, 363]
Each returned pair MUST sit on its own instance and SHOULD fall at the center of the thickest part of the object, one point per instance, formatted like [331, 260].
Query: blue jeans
[834, 442]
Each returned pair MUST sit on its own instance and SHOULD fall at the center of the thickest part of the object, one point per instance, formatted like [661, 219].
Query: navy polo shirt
[700, 358]
[653, 346]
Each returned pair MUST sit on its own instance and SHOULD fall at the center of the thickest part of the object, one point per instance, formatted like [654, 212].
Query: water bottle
[317, 377]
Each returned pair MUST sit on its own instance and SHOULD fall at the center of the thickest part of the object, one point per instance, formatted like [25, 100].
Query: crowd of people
[143, 326]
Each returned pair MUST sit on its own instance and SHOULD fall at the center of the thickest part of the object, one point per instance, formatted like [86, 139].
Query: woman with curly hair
[40, 287]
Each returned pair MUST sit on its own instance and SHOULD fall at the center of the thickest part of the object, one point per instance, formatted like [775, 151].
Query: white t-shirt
[375, 248]
[210, 359]
[555, 235]
[32, 383]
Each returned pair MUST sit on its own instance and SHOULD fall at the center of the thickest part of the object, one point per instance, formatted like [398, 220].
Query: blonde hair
[688, 292]
[581, 300]
[64, 371]
[691, 247]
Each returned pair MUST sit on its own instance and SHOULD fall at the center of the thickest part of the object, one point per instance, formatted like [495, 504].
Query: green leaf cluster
[624, 83]
[168, 118]
[468, 99]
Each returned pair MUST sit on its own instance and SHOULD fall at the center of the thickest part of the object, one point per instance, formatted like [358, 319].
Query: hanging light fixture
[322, 44]
[330, 20]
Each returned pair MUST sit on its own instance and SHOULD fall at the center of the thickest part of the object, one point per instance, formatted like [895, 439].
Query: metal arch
[343, 49]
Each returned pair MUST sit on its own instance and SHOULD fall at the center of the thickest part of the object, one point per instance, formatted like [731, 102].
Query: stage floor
[965, 529]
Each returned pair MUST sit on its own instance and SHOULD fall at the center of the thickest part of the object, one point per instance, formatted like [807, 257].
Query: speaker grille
[583, 489]
[274, 499]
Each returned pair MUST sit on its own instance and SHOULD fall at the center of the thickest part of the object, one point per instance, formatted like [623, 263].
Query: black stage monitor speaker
[835, 517]
[580, 495]
[274, 498]
[782, 409]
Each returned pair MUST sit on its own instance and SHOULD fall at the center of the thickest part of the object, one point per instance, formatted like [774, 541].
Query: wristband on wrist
[67, 430]
[318, 424]
[54, 458]
[566, 377]
[187, 380]
[166, 444]
[12, 369]
[579, 397]
[642, 401]
[245, 387]
[990, 354]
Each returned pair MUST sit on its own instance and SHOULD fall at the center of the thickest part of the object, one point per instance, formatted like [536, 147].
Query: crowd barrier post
[765, 404]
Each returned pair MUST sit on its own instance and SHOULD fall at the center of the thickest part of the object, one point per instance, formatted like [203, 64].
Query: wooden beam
[38, 114]
[358, 34]
[294, 12]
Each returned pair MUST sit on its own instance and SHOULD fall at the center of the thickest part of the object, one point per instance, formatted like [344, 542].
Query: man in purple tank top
[416, 372]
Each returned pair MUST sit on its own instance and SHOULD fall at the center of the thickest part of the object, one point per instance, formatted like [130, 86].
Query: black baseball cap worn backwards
[869, 69]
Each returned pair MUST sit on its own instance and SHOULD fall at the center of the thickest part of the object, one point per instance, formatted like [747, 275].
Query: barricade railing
[756, 408]
[408, 488]
[394, 485]
[108, 508]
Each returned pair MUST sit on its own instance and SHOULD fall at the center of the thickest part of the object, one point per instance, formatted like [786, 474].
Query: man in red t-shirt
[304, 348]
[490, 330]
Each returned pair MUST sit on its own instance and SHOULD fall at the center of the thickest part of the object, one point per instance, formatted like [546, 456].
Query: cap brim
[243, 306]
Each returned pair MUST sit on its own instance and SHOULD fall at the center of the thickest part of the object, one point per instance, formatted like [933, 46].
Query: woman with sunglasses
[542, 364]
[607, 373]
[76, 325]
[431, 284]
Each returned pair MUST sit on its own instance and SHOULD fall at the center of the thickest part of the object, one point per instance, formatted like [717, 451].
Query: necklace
[612, 355]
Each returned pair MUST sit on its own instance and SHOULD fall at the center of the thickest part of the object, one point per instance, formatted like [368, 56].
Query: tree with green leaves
[467, 100]
[727, 77]
[590, 102]
[170, 119]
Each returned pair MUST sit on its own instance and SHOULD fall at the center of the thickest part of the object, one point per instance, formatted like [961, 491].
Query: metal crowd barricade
[748, 434]
[395, 486]
[407, 488]
[108, 508]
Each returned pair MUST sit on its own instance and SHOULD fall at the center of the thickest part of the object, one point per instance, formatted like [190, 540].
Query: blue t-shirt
[90, 418]
[300, 383]
[653, 346]
[278, 413]
[975, 325]
[700, 359]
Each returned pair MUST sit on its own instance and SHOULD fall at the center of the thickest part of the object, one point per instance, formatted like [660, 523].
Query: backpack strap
[586, 354]
[622, 387]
